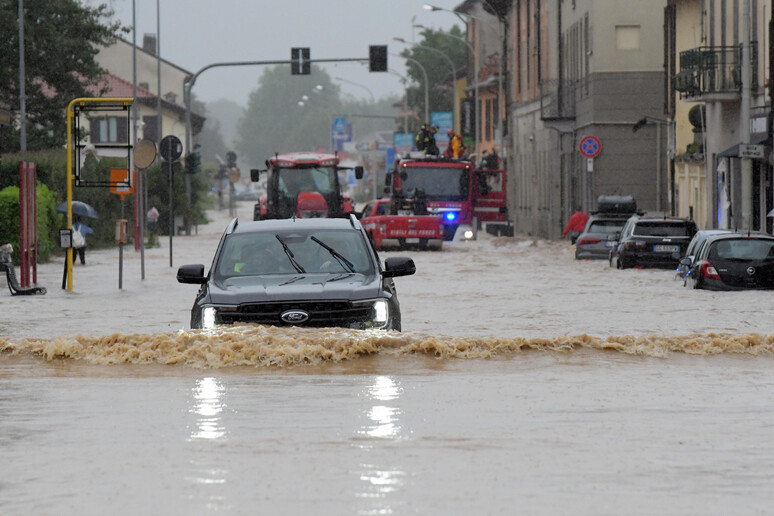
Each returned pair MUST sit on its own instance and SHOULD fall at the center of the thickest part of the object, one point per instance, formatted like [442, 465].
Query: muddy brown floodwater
[523, 382]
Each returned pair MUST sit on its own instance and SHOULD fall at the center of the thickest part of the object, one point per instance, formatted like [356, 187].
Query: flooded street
[524, 382]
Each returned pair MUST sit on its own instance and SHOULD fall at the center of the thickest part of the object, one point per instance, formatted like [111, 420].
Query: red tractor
[304, 185]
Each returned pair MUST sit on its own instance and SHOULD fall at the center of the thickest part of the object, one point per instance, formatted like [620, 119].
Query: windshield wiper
[337, 278]
[291, 280]
[288, 252]
[343, 261]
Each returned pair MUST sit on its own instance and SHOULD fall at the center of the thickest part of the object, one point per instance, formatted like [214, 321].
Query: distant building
[118, 60]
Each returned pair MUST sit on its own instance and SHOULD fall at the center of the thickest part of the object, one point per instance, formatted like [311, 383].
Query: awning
[733, 151]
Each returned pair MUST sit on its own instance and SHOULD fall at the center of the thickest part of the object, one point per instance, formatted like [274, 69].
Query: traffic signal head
[377, 58]
[231, 158]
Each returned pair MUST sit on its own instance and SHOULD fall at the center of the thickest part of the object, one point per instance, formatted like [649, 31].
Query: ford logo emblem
[294, 316]
[750, 270]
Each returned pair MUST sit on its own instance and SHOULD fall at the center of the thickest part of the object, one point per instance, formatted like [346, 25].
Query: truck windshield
[438, 183]
[292, 181]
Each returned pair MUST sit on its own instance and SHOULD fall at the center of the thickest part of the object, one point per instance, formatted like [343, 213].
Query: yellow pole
[70, 177]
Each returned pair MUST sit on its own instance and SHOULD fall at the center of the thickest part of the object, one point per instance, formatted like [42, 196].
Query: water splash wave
[266, 346]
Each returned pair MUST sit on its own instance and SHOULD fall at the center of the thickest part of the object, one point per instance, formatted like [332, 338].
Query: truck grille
[321, 313]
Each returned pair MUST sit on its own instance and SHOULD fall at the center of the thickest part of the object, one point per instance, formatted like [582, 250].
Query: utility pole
[744, 121]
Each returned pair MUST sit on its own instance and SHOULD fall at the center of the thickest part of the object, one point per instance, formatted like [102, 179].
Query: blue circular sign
[590, 146]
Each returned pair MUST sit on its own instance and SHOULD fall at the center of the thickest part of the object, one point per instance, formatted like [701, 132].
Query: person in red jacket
[576, 224]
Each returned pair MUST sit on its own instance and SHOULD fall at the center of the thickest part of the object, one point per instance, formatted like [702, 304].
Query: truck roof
[304, 159]
[433, 160]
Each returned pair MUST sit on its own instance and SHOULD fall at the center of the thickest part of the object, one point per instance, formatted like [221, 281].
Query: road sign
[340, 124]
[171, 148]
[590, 146]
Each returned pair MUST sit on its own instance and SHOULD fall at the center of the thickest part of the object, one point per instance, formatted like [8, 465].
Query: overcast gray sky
[195, 33]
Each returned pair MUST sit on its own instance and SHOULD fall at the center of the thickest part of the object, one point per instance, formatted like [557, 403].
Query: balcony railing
[713, 70]
[557, 100]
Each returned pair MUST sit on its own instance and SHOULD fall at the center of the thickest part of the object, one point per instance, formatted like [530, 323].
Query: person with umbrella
[80, 230]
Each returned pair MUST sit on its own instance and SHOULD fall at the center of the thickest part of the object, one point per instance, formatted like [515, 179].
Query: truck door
[489, 203]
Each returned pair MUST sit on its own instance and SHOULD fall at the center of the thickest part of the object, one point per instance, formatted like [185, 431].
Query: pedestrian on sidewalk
[79, 240]
[576, 224]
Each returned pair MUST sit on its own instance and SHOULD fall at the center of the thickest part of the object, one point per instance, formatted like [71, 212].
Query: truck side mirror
[388, 180]
[359, 172]
[254, 174]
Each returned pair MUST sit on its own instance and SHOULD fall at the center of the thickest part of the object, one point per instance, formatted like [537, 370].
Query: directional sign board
[590, 146]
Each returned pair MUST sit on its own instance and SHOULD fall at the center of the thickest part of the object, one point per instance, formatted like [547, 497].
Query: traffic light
[299, 61]
[377, 58]
[231, 159]
[193, 163]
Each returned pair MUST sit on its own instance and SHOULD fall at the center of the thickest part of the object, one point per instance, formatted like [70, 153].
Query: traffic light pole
[188, 85]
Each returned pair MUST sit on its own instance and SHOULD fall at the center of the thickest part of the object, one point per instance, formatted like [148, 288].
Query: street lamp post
[451, 63]
[427, 94]
[500, 92]
[405, 102]
[342, 79]
[642, 122]
[475, 79]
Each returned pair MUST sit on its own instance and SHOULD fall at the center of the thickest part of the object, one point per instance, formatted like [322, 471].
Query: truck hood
[292, 287]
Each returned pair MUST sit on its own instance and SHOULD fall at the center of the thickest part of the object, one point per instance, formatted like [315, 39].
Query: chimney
[170, 97]
[149, 43]
[143, 85]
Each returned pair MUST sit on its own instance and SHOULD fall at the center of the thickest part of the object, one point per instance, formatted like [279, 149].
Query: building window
[150, 128]
[627, 37]
[109, 129]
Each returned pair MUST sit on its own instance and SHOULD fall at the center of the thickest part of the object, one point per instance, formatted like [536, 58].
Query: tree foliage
[275, 122]
[61, 40]
[439, 71]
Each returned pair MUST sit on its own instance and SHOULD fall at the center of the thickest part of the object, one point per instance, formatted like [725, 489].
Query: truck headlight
[210, 314]
[380, 312]
[208, 317]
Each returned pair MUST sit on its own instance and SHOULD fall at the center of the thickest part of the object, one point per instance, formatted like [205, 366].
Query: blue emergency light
[450, 215]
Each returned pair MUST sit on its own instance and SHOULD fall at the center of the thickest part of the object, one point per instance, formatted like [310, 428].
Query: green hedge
[47, 220]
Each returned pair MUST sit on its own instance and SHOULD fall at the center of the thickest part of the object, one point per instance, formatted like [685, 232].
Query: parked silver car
[599, 236]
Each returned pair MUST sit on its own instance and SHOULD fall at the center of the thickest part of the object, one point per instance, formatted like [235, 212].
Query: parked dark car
[652, 241]
[699, 238]
[597, 238]
[297, 272]
[733, 261]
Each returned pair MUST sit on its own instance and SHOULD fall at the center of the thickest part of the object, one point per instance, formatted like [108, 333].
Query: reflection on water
[208, 395]
[379, 482]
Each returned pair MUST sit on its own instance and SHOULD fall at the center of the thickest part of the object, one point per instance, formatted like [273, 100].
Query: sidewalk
[96, 306]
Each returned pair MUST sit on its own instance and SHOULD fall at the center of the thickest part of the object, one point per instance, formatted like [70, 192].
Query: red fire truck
[304, 185]
[466, 198]
[399, 223]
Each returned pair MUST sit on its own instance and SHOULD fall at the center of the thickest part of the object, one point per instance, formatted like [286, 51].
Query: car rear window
[744, 249]
[606, 226]
[662, 229]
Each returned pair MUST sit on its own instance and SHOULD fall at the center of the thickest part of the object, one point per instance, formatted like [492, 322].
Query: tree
[437, 68]
[61, 40]
[275, 122]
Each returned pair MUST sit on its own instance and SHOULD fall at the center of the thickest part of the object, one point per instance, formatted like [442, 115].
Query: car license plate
[412, 240]
[666, 248]
[609, 243]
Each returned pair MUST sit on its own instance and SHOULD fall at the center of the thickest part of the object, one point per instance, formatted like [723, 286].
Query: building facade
[729, 182]
[577, 69]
